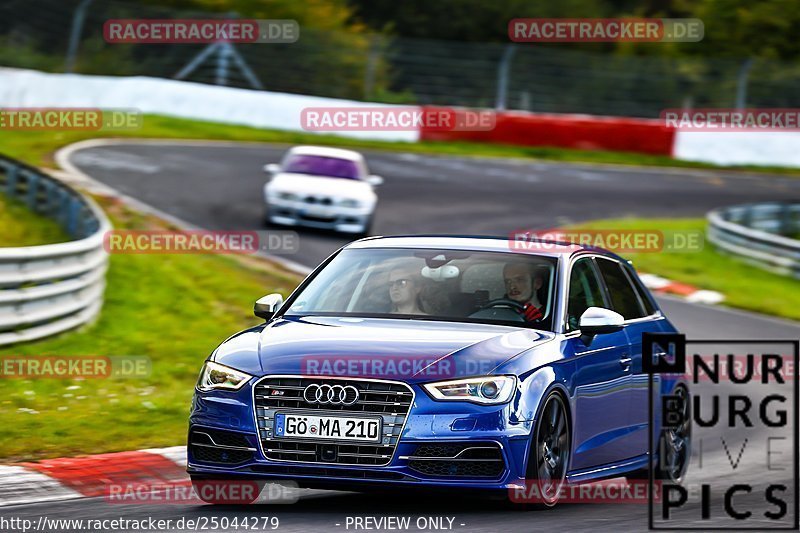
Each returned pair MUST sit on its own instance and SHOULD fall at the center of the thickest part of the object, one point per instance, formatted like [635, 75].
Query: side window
[644, 295]
[584, 292]
[623, 297]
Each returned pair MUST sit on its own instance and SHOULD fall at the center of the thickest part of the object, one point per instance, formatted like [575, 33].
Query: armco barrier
[51, 288]
[757, 234]
[566, 131]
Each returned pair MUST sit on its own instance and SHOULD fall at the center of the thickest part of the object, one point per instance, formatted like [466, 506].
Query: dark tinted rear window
[623, 296]
[644, 295]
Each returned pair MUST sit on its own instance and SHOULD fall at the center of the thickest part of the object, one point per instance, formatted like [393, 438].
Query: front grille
[389, 400]
[458, 460]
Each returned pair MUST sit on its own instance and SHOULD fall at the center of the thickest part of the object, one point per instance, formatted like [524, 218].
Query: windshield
[322, 166]
[454, 285]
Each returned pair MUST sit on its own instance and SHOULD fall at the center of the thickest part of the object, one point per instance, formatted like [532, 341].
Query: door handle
[625, 362]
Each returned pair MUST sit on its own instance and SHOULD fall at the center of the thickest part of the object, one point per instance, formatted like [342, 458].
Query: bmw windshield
[315, 165]
[449, 285]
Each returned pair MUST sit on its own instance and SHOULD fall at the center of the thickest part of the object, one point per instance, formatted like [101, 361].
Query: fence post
[502, 77]
[741, 83]
[75, 35]
[372, 65]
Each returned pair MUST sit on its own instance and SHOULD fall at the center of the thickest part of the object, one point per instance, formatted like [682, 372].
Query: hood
[396, 349]
[319, 185]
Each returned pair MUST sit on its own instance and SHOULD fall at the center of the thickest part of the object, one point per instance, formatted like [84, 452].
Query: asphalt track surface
[219, 187]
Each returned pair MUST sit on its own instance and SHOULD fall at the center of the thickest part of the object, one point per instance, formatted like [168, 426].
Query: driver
[405, 286]
[522, 283]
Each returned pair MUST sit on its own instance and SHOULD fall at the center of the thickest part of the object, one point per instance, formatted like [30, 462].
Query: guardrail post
[53, 196]
[11, 184]
[45, 205]
[63, 207]
[785, 220]
[33, 189]
[72, 215]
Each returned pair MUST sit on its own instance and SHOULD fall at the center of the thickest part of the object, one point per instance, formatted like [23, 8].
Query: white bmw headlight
[349, 202]
[489, 390]
[215, 376]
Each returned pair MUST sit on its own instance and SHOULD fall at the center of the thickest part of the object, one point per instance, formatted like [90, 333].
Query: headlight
[218, 377]
[288, 196]
[350, 203]
[488, 390]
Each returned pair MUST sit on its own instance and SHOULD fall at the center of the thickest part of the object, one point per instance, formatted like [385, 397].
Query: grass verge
[37, 147]
[21, 227]
[174, 309]
[743, 285]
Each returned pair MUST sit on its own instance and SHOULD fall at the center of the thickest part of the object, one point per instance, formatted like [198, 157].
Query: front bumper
[335, 218]
[441, 431]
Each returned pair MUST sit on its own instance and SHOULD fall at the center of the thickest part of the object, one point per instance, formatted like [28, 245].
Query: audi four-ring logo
[331, 394]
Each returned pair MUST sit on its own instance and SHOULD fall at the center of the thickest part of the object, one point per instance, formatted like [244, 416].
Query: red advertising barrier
[582, 132]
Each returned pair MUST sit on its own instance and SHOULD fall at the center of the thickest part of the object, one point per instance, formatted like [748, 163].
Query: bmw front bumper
[335, 218]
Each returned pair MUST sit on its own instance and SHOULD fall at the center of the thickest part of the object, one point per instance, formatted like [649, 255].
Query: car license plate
[328, 427]
[320, 212]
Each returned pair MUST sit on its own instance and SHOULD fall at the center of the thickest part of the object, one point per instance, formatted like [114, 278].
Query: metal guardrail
[55, 287]
[761, 234]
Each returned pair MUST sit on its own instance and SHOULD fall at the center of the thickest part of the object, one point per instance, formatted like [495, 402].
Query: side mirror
[272, 168]
[598, 320]
[267, 306]
[374, 180]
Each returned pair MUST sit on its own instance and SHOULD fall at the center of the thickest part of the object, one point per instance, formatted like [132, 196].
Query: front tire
[550, 453]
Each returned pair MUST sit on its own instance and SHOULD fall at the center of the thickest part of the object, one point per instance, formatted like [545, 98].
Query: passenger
[404, 289]
[523, 281]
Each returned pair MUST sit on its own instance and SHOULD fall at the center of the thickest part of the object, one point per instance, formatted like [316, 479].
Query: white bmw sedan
[326, 188]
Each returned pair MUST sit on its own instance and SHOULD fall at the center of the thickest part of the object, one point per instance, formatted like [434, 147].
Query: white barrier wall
[27, 88]
[774, 148]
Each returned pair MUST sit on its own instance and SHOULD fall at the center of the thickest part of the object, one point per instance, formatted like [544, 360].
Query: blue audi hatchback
[441, 362]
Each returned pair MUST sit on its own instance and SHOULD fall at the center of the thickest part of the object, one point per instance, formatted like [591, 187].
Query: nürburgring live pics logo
[742, 411]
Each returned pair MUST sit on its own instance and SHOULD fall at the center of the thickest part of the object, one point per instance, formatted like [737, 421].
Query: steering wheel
[503, 302]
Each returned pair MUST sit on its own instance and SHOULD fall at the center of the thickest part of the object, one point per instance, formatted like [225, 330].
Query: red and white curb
[90, 476]
[690, 294]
